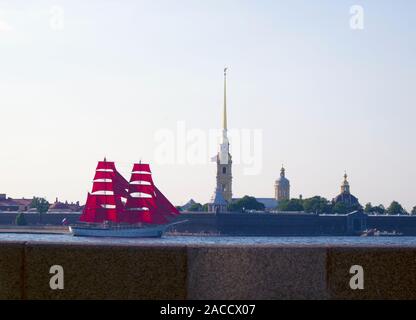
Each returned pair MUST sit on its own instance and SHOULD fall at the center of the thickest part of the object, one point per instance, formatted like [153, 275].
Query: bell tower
[224, 161]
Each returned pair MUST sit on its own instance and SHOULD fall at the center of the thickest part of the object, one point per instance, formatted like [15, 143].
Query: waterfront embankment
[205, 271]
[34, 229]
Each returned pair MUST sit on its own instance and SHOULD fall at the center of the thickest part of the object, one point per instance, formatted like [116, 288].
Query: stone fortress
[223, 195]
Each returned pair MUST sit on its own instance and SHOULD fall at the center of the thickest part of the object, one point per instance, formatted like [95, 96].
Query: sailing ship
[118, 208]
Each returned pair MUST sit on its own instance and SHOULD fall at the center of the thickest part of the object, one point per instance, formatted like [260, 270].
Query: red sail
[142, 188]
[106, 165]
[151, 206]
[120, 184]
[105, 203]
[141, 167]
[164, 207]
[102, 186]
[138, 203]
[93, 211]
[136, 177]
[145, 203]
[103, 175]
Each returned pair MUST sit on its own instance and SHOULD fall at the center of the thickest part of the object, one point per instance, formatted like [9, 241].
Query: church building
[282, 187]
[345, 196]
[223, 190]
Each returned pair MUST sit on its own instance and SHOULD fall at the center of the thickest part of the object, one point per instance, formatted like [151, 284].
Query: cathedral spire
[224, 162]
[345, 187]
[225, 125]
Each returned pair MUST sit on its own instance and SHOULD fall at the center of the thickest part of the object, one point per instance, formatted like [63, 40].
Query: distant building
[9, 204]
[218, 203]
[188, 205]
[223, 158]
[345, 196]
[282, 187]
[60, 207]
[269, 203]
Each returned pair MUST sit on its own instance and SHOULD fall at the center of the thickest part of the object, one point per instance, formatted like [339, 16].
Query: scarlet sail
[105, 202]
[144, 202]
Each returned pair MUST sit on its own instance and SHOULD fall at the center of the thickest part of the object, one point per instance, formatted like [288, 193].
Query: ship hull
[139, 232]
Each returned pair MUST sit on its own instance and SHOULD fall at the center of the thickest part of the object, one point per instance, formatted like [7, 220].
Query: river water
[218, 240]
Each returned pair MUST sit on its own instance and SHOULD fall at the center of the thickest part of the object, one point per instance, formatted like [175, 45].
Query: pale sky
[80, 80]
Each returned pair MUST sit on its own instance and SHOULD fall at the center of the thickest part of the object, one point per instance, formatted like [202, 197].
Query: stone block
[389, 273]
[256, 272]
[106, 272]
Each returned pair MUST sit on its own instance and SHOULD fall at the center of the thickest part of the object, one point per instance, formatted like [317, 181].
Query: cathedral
[345, 196]
[223, 192]
[282, 187]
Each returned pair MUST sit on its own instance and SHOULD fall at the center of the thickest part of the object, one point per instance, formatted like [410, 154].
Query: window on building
[224, 170]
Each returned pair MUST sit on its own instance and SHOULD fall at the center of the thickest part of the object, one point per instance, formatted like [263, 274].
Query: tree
[317, 205]
[246, 203]
[290, 205]
[41, 206]
[395, 208]
[20, 219]
[413, 213]
[368, 208]
[379, 209]
[196, 207]
[340, 208]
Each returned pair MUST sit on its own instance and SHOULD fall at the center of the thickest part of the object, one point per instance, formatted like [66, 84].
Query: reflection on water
[181, 240]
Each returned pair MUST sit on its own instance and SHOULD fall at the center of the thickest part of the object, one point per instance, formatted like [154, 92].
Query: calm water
[181, 240]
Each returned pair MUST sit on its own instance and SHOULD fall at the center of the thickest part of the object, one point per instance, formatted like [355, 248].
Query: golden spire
[345, 188]
[225, 127]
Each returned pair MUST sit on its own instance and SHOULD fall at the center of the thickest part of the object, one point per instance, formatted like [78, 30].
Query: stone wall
[205, 272]
[249, 224]
[9, 218]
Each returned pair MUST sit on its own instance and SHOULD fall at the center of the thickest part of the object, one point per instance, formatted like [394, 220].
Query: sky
[308, 87]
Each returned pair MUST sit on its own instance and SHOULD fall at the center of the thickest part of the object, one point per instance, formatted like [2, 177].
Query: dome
[347, 198]
[282, 180]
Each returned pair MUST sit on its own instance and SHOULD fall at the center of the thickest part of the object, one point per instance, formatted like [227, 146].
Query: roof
[189, 204]
[347, 198]
[282, 181]
[218, 198]
[23, 201]
[269, 203]
[59, 206]
[8, 203]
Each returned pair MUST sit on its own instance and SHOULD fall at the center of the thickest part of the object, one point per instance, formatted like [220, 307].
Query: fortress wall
[404, 224]
[249, 224]
[205, 272]
[259, 224]
[9, 218]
